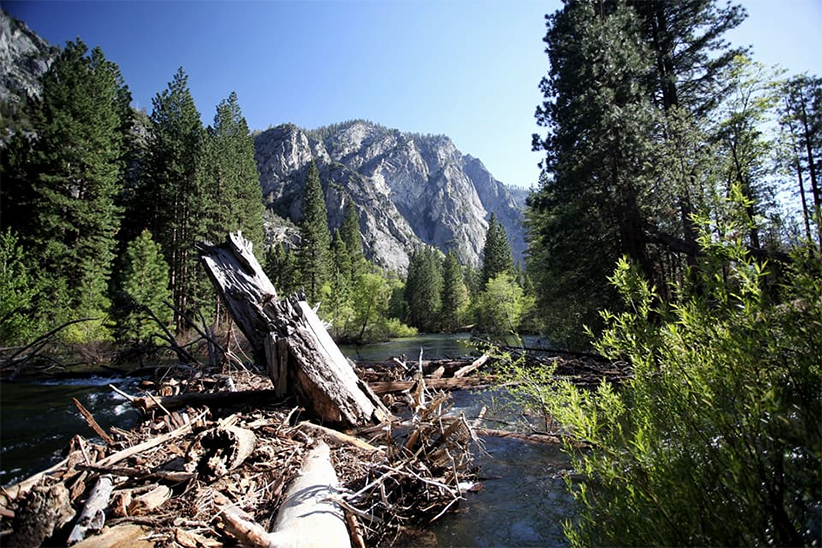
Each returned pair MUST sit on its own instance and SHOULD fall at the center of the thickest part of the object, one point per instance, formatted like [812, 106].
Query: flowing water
[37, 419]
[522, 500]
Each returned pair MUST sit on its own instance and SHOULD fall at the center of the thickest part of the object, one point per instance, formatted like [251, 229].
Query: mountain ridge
[409, 189]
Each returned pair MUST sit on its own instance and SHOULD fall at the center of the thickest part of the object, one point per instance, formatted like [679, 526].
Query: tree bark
[286, 335]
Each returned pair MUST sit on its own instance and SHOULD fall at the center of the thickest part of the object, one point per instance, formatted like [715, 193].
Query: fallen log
[531, 438]
[476, 364]
[286, 335]
[309, 515]
[450, 383]
[93, 516]
[218, 450]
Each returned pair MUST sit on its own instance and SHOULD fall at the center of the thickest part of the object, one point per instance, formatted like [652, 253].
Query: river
[522, 501]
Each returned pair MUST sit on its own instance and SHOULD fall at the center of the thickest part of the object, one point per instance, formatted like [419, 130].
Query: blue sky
[468, 69]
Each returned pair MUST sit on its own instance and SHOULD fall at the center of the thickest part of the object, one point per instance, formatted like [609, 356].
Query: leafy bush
[17, 291]
[717, 439]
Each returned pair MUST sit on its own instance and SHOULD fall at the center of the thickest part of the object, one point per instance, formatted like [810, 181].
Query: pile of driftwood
[241, 465]
[220, 474]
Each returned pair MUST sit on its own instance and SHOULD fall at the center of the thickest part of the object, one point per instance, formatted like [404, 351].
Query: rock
[24, 58]
[409, 189]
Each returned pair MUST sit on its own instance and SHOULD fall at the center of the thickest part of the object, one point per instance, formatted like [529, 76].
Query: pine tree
[143, 285]
[74, 169]
[281, 268]
[338, 307]
[496, 253]
[589, 209]
[454, 293]
[232, 177]
[743, 145]
[423, 290]
[351, 235]
[172, 194]
[687, 83]
[17, 291]
[802, 118]
[313, 254]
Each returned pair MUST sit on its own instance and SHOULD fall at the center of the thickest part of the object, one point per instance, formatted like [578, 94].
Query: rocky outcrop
[24, 58]
[409, 189]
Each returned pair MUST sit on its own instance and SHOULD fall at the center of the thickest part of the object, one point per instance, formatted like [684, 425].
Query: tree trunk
[286, 335]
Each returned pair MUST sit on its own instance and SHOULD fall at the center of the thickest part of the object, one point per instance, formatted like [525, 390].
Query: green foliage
[231, 176]
[496, 253]
[351, 236]
[65, 180]
[589, 209]
[314, 252]
[282, 269]
[454, 294]
[801, 120]
[423, 290]
[716, 439]
[173, 198]
[498, 309]
[338, 304]
[143, 285]
[17, 291]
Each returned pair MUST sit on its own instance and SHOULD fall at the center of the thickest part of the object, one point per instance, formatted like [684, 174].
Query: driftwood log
[310, 515]
[286, 335]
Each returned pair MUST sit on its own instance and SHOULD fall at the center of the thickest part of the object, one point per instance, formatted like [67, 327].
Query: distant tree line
[364, 302]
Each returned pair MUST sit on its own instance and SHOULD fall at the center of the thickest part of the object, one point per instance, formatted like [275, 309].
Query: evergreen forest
[676, 229]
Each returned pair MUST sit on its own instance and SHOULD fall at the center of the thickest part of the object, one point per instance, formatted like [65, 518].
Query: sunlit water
[522, 502]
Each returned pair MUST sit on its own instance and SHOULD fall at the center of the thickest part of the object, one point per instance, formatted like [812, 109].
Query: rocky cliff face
[409, 189]
[24, 58]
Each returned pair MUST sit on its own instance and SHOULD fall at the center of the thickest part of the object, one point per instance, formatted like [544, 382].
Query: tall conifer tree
[74, 170]
[173, 195]
[454, 293]
[589, 209]
[232, 177]
[496, 253]
[313, 254]
[423, 290]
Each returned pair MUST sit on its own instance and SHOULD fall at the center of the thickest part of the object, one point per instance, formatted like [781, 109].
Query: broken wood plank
[127, 534]
[385, 387]
[146, 445]
[147, 502]
[93, 423]
[338, 436]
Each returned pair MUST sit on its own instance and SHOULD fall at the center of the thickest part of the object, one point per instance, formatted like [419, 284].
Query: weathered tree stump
[286, 335]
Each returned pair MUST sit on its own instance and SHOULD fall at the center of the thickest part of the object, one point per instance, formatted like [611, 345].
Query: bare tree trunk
[286, 335]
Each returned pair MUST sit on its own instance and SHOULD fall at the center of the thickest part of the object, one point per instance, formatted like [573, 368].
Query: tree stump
[288, 337]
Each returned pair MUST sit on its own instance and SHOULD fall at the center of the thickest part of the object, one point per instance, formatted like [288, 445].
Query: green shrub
[717, 440]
